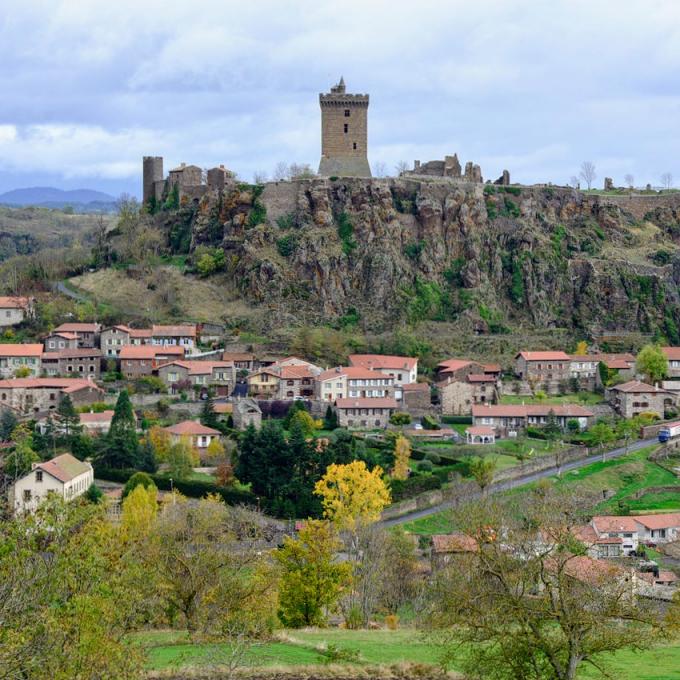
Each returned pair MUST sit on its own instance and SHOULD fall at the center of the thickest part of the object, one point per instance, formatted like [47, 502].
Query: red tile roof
[636, 387]
[64, 334]
[481, 430]
[196, 367]
[475, 378]
[57, 383]
[366, 402]
[78, 328]
[139, 332]
[543, 356]
[101, 417]
[184, 331]
[17, 350]
[64, 468]
[671, 353]
[453, 365]
[455, 542]
[354, 372]
[492, 368]
[72, 353]
[149, 351]
[660, 521]
[387, 361]
[190, 427]
[605, 524]
[416, 387]
[294, 372]
[8, 302]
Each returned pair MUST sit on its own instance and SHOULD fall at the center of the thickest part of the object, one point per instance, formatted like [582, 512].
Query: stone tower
[344, 133]
[152, 173]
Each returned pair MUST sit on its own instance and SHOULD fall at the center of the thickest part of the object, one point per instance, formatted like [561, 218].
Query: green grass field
[626, 477]
[172, 649]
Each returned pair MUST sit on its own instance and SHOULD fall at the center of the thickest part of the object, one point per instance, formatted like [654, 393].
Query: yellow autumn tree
[140, 508]
[160, 441]
[581, 348]
[402, 456]
[215, 450]
[352, 495]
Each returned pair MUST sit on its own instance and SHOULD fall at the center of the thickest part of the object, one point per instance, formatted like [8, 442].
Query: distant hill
[82, 200]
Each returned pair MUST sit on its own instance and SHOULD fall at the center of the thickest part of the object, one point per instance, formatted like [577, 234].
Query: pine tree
[8, 421]
[121, 449]
[208, 416]
[330, 421]
[67, 420]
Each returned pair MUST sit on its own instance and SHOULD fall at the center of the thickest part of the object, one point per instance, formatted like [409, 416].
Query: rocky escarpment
[484, 257]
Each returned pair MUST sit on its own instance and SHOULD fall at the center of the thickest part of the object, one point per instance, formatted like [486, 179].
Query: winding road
[521, 481]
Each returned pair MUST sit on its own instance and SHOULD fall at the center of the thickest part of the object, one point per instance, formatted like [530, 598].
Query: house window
[52, 344]
[27, 495]
[38, 475]
[354, 145]
[346, 128]
[346, 113]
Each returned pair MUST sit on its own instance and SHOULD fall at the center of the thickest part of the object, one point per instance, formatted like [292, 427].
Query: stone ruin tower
[152, 174]
[344, 133]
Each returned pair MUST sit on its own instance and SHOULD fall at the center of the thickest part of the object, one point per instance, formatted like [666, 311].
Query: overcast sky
[90, 86]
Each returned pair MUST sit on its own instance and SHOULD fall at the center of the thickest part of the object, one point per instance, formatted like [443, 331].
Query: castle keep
[344, 133]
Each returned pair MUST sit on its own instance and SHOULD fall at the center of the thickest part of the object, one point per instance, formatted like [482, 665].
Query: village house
[365, 413]
[507, 418]
[446, 548]
[15, 310]
[241, 360]
[586, 368]
[69, 362]
[86, 333]
[480, 434]
[58, 341]
[342, 382]
[64, 476]
[673, 356]
[180, 336]
[198, 435]
[613, 536]
[544, 369]
[264, 384]
[15, 356]
[661, 528]
[138, 361]
[113, 339]
[632, 398]
[216, 376]
[416, 397]
[458, 369]
[296, 381]
[458, 396]
[27, 395]
[246, 412]
[96, 423]
[404, 370]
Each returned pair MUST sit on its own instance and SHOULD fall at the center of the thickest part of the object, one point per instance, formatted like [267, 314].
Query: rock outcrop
[488, 256]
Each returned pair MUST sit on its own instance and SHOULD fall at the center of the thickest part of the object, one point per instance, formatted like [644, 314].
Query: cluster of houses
[607, 539]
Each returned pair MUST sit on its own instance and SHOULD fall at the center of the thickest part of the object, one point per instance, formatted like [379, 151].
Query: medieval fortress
[344, 153]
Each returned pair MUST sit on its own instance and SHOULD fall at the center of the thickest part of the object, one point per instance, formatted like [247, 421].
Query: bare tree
[379, 169]
[574, 183]
[300, 171]
[587, 173]
[259, 177]
[280, 171]
[667, 180]
[401, 167]
[630, 180]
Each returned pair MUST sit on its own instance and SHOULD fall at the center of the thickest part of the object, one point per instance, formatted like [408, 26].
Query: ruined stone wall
[640, 205]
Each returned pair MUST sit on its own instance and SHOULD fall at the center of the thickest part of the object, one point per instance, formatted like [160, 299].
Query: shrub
[138, 479]
[392, 621]
[399, 418]
[430, 423]
[346, 233]
[491, 211]
[286, 221]
[286, 245]
[510, 208]
[414, 249]
[433, 457]
[414, 485]
[150, 384]
[258, 214]
[425, 466]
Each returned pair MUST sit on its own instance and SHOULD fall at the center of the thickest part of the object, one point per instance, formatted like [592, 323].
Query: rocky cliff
[485, 257]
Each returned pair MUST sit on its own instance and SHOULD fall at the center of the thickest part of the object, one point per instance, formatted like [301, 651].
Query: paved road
[60, 287]
[521, 481]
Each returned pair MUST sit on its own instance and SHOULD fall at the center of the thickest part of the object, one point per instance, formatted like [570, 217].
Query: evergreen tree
[292, 410]
[121, 447]
[330, 421]
[208, 416]
[67, 420]
[8, 421]
[147, 457]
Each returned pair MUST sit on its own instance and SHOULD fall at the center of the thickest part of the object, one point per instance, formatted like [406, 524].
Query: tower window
[354, 146]
[346, 128]
[346, 113]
